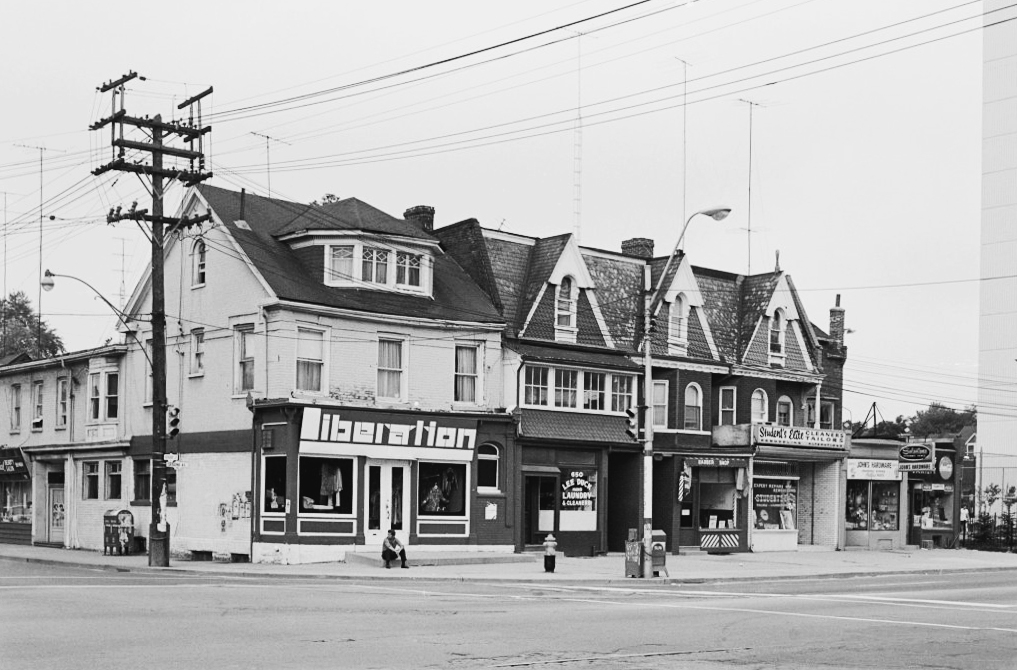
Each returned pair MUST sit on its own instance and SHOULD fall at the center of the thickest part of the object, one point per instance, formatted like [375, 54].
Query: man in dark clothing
[392, 548]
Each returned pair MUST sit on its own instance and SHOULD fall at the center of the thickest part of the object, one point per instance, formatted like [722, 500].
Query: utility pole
[191, 132]
[647, 506]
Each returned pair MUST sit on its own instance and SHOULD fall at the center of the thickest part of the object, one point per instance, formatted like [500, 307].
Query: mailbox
[117, 532]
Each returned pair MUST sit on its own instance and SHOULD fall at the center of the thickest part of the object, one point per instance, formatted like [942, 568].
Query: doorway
[386, 503]
[57, 515]
[540, 509]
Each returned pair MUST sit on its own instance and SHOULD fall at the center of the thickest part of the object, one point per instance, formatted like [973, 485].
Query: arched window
[679, 319]
[693, 407]
[487, 467]
[198, 263]
[760, 411]
[777, 326]
[785, 411]
[565, 310]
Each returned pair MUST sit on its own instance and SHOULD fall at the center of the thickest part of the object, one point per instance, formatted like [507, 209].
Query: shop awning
[596, 359]
[574, 427]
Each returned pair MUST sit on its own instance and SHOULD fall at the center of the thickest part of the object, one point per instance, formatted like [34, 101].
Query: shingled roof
[456, 297]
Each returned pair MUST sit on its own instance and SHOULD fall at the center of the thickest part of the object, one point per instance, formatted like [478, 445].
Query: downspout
[819, 405]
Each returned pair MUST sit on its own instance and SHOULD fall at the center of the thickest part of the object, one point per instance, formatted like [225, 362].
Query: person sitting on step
[392, 548]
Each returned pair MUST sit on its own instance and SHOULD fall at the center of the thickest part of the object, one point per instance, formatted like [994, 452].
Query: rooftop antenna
[268, 158]
[685, 113]
[577, 146]
[749, 229]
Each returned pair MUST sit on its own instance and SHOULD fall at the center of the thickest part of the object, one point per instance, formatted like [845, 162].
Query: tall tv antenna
[268, 157]
[748, 237]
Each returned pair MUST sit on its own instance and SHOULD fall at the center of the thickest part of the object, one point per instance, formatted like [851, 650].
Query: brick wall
[819, 509]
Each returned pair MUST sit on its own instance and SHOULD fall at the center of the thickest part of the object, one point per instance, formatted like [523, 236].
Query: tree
[20, 332]
[326, 199]
[941, 420]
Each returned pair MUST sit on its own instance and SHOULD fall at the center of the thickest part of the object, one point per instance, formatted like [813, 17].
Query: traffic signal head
[172, 422]
[632, 422]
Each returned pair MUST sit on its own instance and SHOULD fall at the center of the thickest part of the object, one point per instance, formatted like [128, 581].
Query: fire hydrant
[550, 552]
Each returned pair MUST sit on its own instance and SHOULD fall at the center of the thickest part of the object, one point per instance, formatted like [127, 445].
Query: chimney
[243, 196]
[640, 247]
[422, 215]
[837, 323]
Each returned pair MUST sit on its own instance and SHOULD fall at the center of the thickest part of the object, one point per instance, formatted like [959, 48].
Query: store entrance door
[57, 515]
[386, 501]
[540, 510]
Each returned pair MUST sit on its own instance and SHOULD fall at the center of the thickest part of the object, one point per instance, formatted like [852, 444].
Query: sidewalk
[695, 567]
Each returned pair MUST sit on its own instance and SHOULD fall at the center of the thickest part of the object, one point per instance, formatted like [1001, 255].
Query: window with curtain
[785, 411]
[693, 407]
[198, 263]
[535, 385]
[679, 319]
[390, 369]
[621, 392]
[375, 265]
[342, 263]
[310, 359]
[660, 404]
[466, 373]
[566, 384]
[197, 351]
[37, 406]
[15, 407]
[566, 307]
[245, 358]
[407, 269]
[593, 390]
[760, 410]
[62, 407]
[94, 395]
[727, 406]
[777, 324]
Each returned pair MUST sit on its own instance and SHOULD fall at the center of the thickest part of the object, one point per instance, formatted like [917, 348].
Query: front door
[540, 510]
[387, 501]
[57, 515]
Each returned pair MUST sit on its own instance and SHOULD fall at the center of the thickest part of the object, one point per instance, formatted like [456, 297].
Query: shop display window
[325, 486]
[441, 489]
[936, 509]
[578, 499]
[718, 498]
[775, 504]
[274, 476]
[872, 505]
[15, 502]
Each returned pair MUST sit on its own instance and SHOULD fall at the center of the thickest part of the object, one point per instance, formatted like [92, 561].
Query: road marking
[916, 600]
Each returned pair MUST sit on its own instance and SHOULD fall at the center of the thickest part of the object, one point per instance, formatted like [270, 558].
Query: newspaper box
[117, 532]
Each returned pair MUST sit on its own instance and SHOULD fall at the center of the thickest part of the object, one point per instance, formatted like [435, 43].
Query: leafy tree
[941, 420]
[20, 332]
[326, 199]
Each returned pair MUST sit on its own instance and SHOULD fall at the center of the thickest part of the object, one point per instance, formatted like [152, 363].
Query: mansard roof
[292, 277]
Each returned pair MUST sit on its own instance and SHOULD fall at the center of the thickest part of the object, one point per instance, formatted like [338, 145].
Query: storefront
[933, 485]
[333, 479]
[795, 487]
[15, 498]
[714, 503]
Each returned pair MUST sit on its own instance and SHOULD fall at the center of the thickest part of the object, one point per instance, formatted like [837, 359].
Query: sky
[845, 135]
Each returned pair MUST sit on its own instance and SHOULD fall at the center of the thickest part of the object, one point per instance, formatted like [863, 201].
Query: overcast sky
[864, 155]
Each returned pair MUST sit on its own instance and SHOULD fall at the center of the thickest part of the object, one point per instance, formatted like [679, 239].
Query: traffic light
[632, 422]
[172, 422]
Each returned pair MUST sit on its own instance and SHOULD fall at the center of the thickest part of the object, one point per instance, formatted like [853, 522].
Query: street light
[650, 294]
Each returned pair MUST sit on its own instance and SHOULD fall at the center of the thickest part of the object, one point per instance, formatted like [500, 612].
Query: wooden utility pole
[191, 132]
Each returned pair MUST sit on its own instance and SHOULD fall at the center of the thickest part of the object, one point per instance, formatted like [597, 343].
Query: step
[444, 558]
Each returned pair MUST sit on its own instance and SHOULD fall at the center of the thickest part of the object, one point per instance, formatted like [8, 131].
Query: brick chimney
[422, 215]
[837, 323]
[640, 247]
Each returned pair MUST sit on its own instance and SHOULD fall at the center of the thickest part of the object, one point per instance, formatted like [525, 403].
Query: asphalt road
[65, 617]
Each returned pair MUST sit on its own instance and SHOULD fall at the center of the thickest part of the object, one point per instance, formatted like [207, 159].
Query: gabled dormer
[777, 340]
[565, 307]
[680, 311]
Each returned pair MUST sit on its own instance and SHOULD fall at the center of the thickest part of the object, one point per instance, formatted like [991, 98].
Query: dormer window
[198, 264]
[678, 326]
[565, 311]
[407, 269]
[778, 329]
[379, 267]
[375, 265]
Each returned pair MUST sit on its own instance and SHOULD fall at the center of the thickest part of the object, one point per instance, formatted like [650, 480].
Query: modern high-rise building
[997, 341]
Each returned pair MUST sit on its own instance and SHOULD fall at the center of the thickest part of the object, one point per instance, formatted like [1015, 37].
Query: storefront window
[15, 502]
[718, 498]
[872, 505]
[936, 507]
[325, 485]
[578, 509]
[441, 489]
[274, 476]
[775, 504]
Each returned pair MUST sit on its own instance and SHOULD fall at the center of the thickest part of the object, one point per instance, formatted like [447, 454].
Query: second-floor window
[571, 385]
[37, 406]
[103, 396]
[407, 269]
[622, 395]
[759, 406]
[727, 406]
[466, 373]
[15, 407]
[197, 351]
[198, 263]
[390, 369]
[245, 358]
[593, 390]
[693, 407]
[535, 385]
[342, 263]
[566, 384]
[785, 411]
[660, 403]
[375, 268]
[112, 395]
[825, 414]
[94, 396]
[310, 359]
[62, 402]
